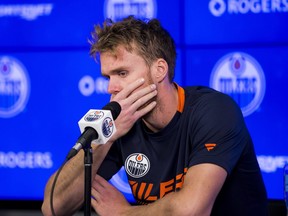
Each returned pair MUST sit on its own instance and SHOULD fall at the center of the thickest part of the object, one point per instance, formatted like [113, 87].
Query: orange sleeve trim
[181, 98]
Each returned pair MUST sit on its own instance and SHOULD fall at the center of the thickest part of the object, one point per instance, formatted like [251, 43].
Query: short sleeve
[219, 134]
[111, 163]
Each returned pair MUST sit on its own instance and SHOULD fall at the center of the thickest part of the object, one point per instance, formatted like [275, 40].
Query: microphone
[96, 125]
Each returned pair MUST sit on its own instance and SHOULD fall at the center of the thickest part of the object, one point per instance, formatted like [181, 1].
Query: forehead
[119, 53]
[118, 58]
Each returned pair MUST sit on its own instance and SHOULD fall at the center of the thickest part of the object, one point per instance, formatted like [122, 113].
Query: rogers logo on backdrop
[220, 7]
[87, 85]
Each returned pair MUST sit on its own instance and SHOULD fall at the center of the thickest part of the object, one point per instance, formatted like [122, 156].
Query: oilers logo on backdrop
[14, 87]
[107, 127]
[118, 9]
[240, 76]
[137, 165]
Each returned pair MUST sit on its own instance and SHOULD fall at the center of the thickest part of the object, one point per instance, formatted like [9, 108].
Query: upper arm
[201, 186]
[111, 163]
[218, 121]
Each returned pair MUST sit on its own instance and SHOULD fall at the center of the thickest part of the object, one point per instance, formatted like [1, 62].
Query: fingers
[107, 201]
[100, 183]
[98, 180]
[95, 196]
[99, 186]
[145, 109]
[136, 100]
[132, 98]
[143, 95]
[128, 90]
[139, 103]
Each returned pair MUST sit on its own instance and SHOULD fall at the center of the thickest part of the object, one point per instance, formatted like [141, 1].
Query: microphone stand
[84, 142]
[88, 161]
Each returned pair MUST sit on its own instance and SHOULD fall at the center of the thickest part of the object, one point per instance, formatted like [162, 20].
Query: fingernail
[153, 86]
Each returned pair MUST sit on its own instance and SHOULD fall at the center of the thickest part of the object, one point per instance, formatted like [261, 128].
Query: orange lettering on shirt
[166, 187]
[180, 179]
[142, 191]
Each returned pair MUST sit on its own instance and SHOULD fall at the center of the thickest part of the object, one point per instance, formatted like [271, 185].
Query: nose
[113, 86]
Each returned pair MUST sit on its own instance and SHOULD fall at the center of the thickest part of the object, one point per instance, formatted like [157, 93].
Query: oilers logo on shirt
[137, 165]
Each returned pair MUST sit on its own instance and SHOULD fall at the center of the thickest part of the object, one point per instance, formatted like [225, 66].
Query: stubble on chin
[147, 115]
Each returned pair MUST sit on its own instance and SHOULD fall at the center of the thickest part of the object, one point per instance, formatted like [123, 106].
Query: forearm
[68, 194]
[172, 204]
[196, 197]
[162, 207]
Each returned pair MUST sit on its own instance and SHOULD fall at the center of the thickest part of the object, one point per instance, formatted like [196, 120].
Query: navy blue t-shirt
[208, 127]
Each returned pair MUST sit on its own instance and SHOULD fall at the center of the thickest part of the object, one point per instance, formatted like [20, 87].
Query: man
[185, 151]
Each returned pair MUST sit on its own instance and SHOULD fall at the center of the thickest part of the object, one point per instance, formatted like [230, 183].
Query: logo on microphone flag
[94, 116]
[101, 121]
[107, 127]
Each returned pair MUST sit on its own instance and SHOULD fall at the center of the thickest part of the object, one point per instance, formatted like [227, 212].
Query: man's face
[122, 67]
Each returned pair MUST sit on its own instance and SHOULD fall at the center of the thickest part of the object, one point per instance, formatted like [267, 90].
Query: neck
[162, 114]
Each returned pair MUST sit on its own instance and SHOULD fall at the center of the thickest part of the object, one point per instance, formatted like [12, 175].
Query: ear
[160, 69]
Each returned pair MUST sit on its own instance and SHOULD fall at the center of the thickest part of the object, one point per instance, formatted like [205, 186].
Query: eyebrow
[115, 71]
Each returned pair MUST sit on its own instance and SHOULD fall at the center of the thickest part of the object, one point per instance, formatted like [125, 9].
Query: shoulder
[205, 96]
[208, 104]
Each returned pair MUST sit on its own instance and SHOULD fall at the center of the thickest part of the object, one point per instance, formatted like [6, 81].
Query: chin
[147, 115]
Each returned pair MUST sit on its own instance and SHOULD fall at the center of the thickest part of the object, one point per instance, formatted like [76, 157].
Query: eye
[122, 74]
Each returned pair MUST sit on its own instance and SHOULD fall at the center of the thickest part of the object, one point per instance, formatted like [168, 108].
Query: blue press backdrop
[48, 81]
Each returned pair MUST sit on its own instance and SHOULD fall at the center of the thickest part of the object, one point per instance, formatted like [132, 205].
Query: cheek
[149, 78]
